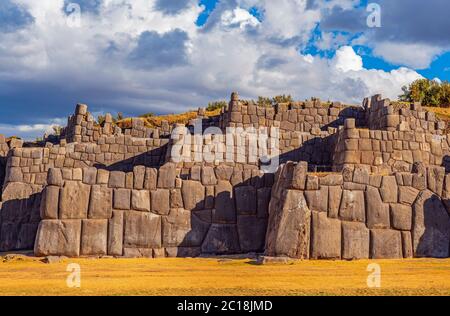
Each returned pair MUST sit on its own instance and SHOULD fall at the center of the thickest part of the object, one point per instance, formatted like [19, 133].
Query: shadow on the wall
[2, 172]
[220, 227]
[152, 159]
[19, 222]
[434, 224]
[317, 152]
[344, 114]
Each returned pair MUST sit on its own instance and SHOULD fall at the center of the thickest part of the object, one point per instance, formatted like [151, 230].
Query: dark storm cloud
[171, 7]
[338, 19]
[403, 21]
[160, 51]
[13, 17]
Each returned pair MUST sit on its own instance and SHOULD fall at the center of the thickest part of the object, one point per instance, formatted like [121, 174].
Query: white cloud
[417, 56]
[32, 131]
[238, 17]
[347, 60]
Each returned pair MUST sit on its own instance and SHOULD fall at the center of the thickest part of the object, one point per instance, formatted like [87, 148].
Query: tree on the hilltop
[428, 92]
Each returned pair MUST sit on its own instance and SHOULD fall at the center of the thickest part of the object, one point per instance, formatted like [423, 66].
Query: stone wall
[82, 128]
[306, 128]
[26, 168]
[152, 213]
[383, 151]
[356, 215]
[103, 190]
[381, 114]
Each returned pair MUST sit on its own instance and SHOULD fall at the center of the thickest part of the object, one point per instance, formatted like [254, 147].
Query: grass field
[223, 277]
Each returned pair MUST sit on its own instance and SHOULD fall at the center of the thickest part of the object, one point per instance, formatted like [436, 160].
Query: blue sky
[166, 56]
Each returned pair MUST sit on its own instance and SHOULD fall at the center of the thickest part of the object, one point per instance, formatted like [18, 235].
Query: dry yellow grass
[442, 113]
[224, 277]
[156, 121]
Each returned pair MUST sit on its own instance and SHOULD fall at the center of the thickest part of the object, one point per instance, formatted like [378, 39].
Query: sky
[167, 56]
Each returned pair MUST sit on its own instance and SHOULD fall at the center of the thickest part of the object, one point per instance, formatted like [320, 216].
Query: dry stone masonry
[354, 183]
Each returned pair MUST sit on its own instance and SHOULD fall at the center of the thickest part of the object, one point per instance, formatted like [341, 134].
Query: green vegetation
[269, 102]
[429, 92]
[213, 106]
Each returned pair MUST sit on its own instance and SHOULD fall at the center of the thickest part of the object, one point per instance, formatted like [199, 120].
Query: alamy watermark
[374, 18]
[374, 278]
[74, 278]
[237, 145]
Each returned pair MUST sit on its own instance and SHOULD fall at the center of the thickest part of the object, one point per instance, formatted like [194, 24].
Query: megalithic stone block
[59, 238]
[49, 202]
[115, 233]
[288, 231]
[74, 200]
[94, 237]
[431, 227]
[325, 237]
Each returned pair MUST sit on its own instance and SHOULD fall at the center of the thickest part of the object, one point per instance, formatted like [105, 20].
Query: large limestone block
[167, 175]
[325, 237]
[16, 191]
[407, 245]
[431, 227]
[208, 176]
[435, 179]
[50, 202]
[224, 172]
[8, 235]
[334, 201]
[26, 236]
[318, 199]
[94, 237]
[245, 200]
[142, 230]
[58, 238]
[407, 195]
[288, 230]
[252, 233]
[90, 175]
[183, 229]
[100, 206]
[54, 177]
[115, 233]
[355, 241]
[446, 193]
[221, 239]
[352, 206]
[160, 201]
[151, 178]
[377, 211]
[140, 200]
[122, 199]
[385, 244]
[193, 195]
[139, 177]
[389, 189]
[224, 211]
[299, 176]
[263, 195]
[74, 200]
[401, 216]
[117, 179]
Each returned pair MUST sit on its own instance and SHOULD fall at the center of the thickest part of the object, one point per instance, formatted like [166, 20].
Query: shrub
[213, 106]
